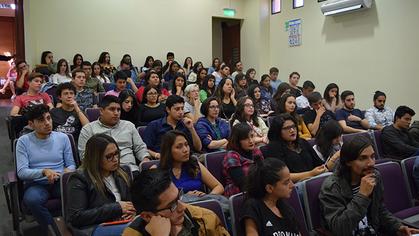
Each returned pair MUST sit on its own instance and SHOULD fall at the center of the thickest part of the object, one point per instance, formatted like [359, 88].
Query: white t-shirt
[59, 79]
[302, 102]
[111, 185]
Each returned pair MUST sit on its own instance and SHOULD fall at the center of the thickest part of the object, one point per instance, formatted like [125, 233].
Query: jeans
[36, 196]
[109, 230]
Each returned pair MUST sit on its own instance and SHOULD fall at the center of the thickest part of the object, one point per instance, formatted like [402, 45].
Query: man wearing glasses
[162, 212]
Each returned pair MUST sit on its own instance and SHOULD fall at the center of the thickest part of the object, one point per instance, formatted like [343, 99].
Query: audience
[121, 81]
[152, 79]
[245, 113]
[240, 85]
[226, 98]
[63, 73]
[283, 88]
[128, 68]
[92, 83]
[241, 153]
[32, 97]
[414, 131]
[98, 73]
[268, 184]
[262, 106]
[171, 73]
[174, 120]
[265, 87]
[251, 77]
[186, 172]
[11, 80]
[287, 105]
[41, 157]
[129, 107]
[105, 62]
[351, 199]
[298, 155]
[85, 97]
[151, 109]
[214, 66]
[99, 191]
[193, 76]
[238, 69]
[302, 101]
[77, 61]
[159, 203]
[350, 118]
[273, 75]
[202, 73]
[148, 64]
[187, 65]
[207, 88]
[328, 143]
[178, 85]
[47, 66]
[396, 140]
[379, 116]
[212, 130]
[331, 100]
[68, 118]
[131, 145]
[22, 82]
[317, 116]
[192, 103]
[222, 73]
[293, 80]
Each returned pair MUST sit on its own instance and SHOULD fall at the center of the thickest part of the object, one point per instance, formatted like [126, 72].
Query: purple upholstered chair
[92, 113]
[294, 202]
[147, 164]
[407, 168]
[214, 163]
[378, 143]
[236, 204]
[214, 206]
[141, 130]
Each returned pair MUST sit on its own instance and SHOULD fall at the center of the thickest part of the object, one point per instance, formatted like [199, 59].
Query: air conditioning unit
[333, 7]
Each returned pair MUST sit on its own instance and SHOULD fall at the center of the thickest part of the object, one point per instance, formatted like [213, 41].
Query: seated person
[212, 130]
[32, 97]
[192, 103]
[240, 85]
[262, 106]
[351, 119]
[265, 87]
[225, 94]
[297, 153]
[132, 147]
[245, 113]
[178, 85]
[85, 97]
[41, 157]
[152, 79]
[317, 115]
[329, 142]
[63, 73]
[186, 172]
[121, 81]
[302, 101]
[162, 212]
[351, 200]
[23, 71]
[241, 154]
[92, 83]
[68, 118]
[379, 116]
[99, 191]
[331, 100]
[207, 88]
[268, 184]
[151, 108]
[287, 105]
[414, 131]
[173, 121]
[396, 140]
[129, 106]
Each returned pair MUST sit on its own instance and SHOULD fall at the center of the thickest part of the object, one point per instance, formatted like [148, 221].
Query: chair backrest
[141, 130]
[236, 203]
[92, 113]
[348, 137]
[311, 200]
[294, 202]
[100, 96]
[396, 197]
[214, 206]
[145, 165]
[63, 188]
[312, 141]
[407, 168]
[74, 150]
[214, 163]
[108, 86]
[269, 120]
[378, 143]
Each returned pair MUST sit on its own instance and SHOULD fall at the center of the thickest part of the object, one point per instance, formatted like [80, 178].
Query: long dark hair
[178, 75]
[146, 62]
[101, 73]
[75, 59]
[166, 158]
[103, 56]
[282, 88]
[219, 92]
[350, 151]
[133, 113]
[274, 133]
[186, 65]
[326, 95]
[325, 136]
[43, 56]
[281, 105]
[148, 88]
[239, 132]
[251, 92]
[239, 113]
[67, 72]
[209, 91]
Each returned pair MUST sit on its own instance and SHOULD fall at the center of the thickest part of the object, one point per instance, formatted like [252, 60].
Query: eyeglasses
[173, 205]
[152, 94]
[214, 107]
[288, 128]
[111, 156]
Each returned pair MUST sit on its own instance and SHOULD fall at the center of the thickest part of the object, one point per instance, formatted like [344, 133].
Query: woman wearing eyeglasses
[186, 172]
[99, 191]
[297, 153]
[245, 112]
[212, 130]
[151, 109]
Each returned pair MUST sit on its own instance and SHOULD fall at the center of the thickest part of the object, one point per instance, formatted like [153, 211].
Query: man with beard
[379, 116]
[351, 119]
[396, 139]
[351, 199]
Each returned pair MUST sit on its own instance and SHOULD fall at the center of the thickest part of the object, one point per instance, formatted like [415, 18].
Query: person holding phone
[100, 190]
[351, 200]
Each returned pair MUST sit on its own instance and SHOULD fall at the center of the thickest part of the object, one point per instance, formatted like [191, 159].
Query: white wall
[362, 51]
[137, 27]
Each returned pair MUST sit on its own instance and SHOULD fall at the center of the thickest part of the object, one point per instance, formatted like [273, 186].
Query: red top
[140, 92]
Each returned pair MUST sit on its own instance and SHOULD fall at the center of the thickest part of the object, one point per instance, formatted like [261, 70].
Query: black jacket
[414, 131]
[87, 207]
[398, 144]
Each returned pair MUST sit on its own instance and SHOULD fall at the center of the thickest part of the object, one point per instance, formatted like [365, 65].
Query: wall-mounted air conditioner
[333, 7]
